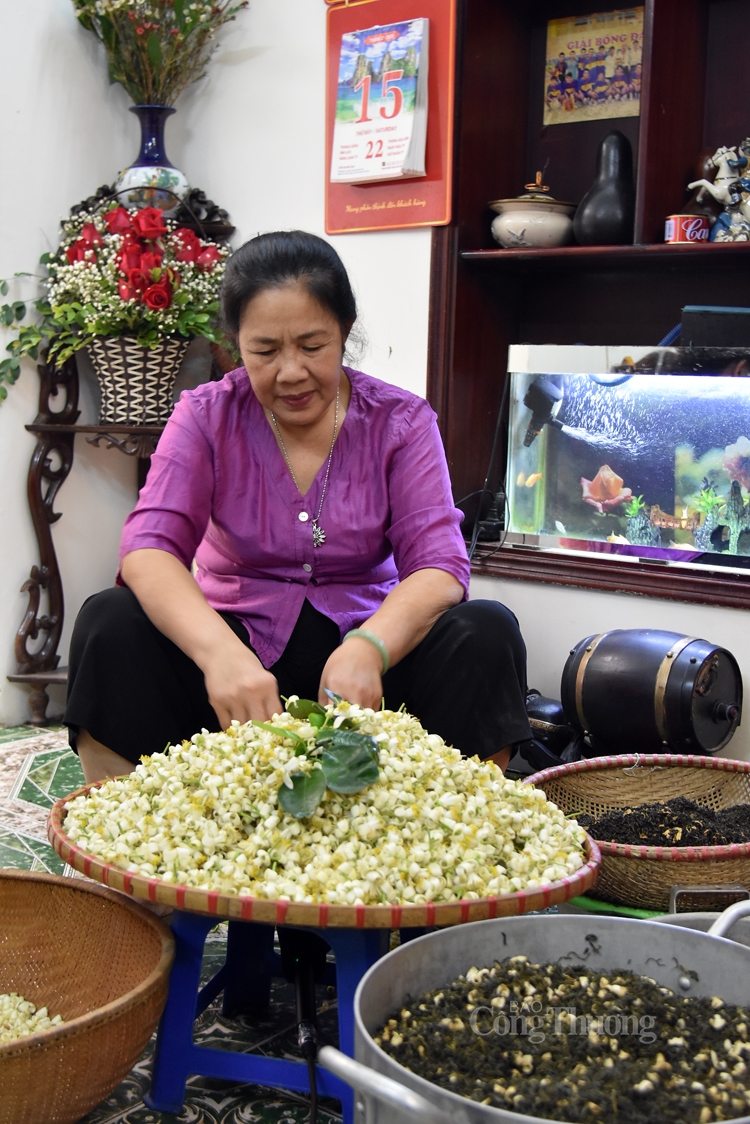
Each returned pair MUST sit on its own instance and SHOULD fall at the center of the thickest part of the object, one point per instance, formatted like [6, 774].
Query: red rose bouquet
[118, 273]
[132, 273]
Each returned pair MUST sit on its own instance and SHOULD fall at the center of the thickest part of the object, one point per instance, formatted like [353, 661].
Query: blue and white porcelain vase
[152, 181]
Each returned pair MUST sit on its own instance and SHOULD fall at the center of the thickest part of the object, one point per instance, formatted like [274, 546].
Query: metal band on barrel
[590, 648]
[662, 678]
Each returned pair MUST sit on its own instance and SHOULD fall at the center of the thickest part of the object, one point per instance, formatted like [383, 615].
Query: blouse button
[303, 517]
[307, 567]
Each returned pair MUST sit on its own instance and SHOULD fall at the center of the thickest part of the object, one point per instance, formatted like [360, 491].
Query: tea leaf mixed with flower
[155, 48]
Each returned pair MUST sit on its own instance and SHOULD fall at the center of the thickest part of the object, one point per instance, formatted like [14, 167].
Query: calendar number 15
[390, 90]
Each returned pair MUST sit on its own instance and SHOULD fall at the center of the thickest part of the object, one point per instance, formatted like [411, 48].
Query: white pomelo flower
[435, 827]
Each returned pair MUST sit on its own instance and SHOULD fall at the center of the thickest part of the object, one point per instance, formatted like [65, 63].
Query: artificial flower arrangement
[118, 273]
[155, 48]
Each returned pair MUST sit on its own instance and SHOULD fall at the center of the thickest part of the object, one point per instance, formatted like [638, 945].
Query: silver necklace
[319, 535]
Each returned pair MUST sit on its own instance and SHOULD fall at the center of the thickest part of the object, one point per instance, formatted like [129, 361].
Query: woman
[312, 504]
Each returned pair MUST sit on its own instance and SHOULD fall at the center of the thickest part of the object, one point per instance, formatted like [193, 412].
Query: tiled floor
[35, 769]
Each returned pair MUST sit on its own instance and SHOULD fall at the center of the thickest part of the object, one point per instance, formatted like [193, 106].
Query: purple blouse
[219, 491]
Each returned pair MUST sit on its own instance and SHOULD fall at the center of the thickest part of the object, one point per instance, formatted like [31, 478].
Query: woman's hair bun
[281, 257]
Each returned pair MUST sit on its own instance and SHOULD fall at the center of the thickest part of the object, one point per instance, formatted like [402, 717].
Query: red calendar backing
[424, 200]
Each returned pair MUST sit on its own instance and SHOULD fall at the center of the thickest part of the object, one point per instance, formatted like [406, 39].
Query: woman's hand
[239, 687]
[237, 683]
[353, 671]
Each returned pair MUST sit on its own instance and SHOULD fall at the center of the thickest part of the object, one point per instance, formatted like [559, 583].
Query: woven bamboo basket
[242, 907]
[97, 959]
[643, 876]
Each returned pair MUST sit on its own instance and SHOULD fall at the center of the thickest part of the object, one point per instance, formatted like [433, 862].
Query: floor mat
[35, 769]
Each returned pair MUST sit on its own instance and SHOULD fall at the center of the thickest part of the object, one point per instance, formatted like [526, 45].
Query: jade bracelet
[365, 634]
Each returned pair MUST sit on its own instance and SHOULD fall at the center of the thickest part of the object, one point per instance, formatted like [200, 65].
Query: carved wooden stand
[56, 432]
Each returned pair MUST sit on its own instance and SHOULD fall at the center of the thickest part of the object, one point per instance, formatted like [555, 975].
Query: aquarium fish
[619, 539]
[520, 479]
[560, 527]
[605, 491]
[533, 479]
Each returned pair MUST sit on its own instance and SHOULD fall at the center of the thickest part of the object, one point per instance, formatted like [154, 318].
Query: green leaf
[303, 708]
[4, 288]
[302, 800]
[19, 310]
[283, 733]
[109, 35]
[179, 8]
[345, 736]
[153, 47]
[349, 767]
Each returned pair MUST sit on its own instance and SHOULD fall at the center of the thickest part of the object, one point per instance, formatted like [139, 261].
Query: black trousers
[136, 692]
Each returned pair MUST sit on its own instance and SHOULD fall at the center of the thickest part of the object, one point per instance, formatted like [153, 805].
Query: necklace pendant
[319, 535]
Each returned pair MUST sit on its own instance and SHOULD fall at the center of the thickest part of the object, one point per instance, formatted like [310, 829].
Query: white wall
[252, 136]
[554, 618]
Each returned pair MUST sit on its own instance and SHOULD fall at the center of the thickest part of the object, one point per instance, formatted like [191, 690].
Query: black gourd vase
[606, 214]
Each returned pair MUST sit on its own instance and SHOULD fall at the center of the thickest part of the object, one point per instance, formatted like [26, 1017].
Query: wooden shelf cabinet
[484, 298]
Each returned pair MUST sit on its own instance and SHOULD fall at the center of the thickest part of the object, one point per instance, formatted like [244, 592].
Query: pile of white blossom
[19, 1018]
[435, 827]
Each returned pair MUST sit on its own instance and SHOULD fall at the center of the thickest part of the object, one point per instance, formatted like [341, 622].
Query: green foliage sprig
[155, 48]
[30, 338]
[346, 761]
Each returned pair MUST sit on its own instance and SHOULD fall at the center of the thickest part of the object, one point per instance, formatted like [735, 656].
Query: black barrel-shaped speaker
[641, 690]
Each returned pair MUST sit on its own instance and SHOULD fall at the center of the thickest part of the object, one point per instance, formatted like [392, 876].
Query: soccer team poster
[593, 68]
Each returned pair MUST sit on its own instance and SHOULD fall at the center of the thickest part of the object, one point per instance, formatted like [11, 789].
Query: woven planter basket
[320, 916]
[98, 960]
[643, 876]
[137, 382]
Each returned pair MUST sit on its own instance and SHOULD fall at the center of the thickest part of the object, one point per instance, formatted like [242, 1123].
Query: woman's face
[292, 349]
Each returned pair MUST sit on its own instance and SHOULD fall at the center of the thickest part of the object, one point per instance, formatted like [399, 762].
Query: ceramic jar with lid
[533, 219]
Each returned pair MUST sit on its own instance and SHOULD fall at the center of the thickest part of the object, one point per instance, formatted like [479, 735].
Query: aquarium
[647, 458]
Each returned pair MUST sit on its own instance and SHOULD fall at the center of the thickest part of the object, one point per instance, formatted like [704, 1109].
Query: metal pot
[667, 954]
[704, 921]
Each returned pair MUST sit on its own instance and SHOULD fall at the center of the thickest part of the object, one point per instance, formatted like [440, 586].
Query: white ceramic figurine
[731, 188]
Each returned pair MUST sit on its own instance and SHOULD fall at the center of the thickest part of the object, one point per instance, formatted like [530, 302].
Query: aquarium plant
[710, 505]
[638, 529]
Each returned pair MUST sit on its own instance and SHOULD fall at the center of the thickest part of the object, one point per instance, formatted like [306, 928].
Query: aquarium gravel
[19, 1018]
[433, 826]
[570, 1044]
[679, 822]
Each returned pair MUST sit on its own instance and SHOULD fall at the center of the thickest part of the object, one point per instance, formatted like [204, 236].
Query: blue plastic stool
[246, 978]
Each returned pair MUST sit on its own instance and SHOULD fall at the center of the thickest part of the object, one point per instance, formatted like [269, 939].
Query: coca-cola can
[686, 228]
